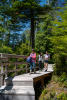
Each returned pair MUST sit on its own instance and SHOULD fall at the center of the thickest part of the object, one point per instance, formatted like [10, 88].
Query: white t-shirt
[40, 58]
[46, 56]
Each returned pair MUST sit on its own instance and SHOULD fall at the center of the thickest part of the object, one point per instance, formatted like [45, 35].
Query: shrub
[63, 77]
[52, 94]
[24, 49]
[62, 96]
[65, 84]
[5, 49]
[44, 92]
[55, 78]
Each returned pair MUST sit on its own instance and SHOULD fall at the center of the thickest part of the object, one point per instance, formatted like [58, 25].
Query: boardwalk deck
[21, 87]
[33, 76]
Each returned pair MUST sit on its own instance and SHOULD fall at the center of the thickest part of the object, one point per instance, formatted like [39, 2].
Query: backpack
[29, 59]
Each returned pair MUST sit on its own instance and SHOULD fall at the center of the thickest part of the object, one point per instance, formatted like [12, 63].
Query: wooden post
[26, 68]
[6, 71]
[15, 69]
[2, 74]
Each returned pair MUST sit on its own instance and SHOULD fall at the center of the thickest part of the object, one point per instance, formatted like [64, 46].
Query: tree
[59, 41]
[7, 26]
[42, 36]
[27, 10]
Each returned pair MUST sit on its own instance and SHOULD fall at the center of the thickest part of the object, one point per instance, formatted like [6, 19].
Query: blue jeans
[40, 64]
[32, 65]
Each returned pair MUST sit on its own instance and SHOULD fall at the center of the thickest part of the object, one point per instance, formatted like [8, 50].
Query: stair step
[19, 81]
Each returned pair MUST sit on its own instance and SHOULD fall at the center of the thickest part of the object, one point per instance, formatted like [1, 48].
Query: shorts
[46, 61]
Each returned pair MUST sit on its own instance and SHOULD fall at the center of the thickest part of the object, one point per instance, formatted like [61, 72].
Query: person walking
[40, 59]
[46, 58]
[33, 61]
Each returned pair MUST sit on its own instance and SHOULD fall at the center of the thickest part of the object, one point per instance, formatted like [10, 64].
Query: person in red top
[33, 61]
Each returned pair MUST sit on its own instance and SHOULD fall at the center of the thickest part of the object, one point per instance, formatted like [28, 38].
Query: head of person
[46, 52]
[40, 53]
[33, 51]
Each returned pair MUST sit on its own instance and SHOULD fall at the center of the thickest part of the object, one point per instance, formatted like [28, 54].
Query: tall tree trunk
[8, 39]
[32, 34]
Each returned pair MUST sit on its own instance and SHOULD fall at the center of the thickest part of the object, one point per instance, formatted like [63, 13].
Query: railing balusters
[4, 65]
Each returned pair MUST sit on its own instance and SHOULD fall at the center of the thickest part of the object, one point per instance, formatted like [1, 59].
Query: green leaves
[59, 41]
[5, 49]
[24, 49]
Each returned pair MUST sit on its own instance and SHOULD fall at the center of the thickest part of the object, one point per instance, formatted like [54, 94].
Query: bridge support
[42, 83]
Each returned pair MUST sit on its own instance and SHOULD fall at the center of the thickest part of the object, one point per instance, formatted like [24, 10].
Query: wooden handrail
[5, 64]
[13, 63]
[3, 55]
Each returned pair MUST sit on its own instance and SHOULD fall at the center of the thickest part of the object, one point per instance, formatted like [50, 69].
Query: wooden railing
[7, 60]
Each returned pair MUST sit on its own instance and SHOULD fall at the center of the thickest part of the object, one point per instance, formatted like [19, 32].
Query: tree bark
[32, 34]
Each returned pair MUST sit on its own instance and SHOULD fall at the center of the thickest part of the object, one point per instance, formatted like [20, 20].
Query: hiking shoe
[34, 71]
[30, 72]
[46, 70]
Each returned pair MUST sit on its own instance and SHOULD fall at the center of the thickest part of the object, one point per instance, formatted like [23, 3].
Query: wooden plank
[13, 63]
[12, 55]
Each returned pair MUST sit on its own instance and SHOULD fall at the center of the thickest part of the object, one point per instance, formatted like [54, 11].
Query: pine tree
[27, 11]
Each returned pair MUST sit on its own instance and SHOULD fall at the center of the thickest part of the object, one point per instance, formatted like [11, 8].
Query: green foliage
[55, 78]
[65, 84]
[63, 77]
[62, 80]
[59, 41]
[43, 42]
[44, 92]
[5, 49]
[40, 44]
[62, 96]
[24, 49]
[52, 94]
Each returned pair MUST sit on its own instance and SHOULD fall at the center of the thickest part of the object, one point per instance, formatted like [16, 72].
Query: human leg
[31, 67]
[46, 66]
[34, 65]
[39, 65]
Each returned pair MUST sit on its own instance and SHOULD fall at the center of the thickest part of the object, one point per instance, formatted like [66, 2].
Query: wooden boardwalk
[35, 76]
[21, 87]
